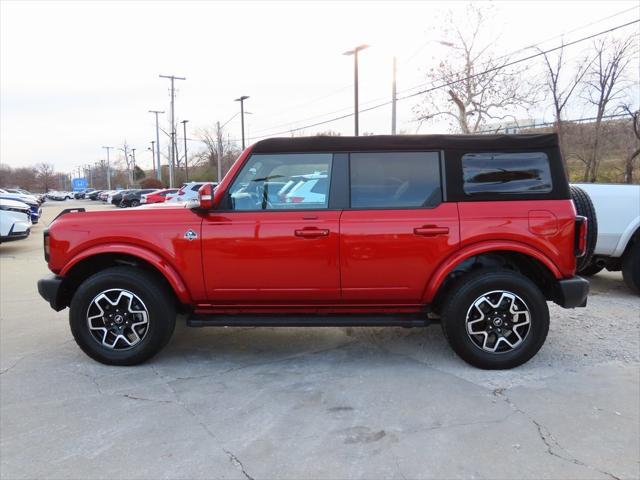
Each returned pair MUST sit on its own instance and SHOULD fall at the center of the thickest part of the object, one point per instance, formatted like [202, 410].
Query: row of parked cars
[138, 196]
[19, 210]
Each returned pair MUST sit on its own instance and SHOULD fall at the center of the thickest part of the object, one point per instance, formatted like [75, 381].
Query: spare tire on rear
[584, 207]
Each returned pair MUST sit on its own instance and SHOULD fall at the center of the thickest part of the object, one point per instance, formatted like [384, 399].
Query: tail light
[181, 191]
[47, 249]
[296, 199]
[582, 228]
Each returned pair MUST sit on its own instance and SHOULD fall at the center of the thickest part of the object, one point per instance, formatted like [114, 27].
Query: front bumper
[572, 292]
[50, 288]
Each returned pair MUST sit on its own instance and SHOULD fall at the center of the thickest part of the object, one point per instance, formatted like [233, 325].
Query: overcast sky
[79, 75]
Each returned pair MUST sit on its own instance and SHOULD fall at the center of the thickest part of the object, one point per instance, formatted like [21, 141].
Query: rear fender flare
[458, 257]
[159, 263]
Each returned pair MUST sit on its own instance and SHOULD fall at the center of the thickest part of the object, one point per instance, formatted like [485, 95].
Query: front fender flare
[162, 265]
[448, 265]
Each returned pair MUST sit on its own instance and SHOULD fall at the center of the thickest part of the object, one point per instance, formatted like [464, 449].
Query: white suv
[15, 220]
[188, 191]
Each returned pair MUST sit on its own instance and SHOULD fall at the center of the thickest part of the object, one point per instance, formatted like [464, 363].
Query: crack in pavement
[238, 464]
[5, 370]
[132, 397]
[547, 438]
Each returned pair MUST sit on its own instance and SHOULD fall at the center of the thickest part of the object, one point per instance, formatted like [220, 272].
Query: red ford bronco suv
[474, 232]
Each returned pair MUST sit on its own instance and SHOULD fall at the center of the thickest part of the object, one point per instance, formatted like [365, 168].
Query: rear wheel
[122, 316]
[135, 203]
[585, 208]
[495, 319]
[631, 267]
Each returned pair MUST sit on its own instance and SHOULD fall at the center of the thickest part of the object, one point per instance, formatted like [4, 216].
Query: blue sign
[79, 184]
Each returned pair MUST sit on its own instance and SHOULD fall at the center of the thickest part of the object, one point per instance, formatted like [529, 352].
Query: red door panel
[276, 257]
[388, 256]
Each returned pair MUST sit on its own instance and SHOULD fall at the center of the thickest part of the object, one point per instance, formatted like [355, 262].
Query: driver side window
[286, 181]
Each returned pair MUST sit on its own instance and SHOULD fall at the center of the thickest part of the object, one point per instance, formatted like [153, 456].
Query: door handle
[431, 230]
[312, 232]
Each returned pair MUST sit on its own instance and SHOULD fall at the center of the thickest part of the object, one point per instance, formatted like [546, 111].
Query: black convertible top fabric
[406, 142]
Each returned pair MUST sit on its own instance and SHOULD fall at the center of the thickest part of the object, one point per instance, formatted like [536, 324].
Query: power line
[447, 84]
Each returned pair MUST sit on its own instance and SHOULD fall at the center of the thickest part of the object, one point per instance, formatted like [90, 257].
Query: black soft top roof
[406, 142]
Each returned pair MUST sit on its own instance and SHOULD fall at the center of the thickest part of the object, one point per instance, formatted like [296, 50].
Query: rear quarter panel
[544, 225]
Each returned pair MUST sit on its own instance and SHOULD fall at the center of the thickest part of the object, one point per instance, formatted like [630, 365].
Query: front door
[396, 230]
[274, 241]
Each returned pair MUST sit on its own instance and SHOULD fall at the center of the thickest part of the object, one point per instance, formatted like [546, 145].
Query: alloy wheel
[498, 321]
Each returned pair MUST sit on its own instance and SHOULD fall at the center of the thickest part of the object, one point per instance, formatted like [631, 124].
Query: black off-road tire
[631, 267]
[466, 290]
[157, 298]
[584, 207]
[590, 270]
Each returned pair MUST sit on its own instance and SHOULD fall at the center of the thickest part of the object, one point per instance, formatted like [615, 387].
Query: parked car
[104, 195]
[159, 196]
[82, 193]
[617, 208]
[15, 223]
[115, 197]
[94, 195]
[59, 196]
[34, 206]
[133, 197]
[476, 232]
[188, 191]
[36, 196]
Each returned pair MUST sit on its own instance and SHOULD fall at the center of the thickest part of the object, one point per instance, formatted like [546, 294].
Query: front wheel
[122, 316]
[495, 319]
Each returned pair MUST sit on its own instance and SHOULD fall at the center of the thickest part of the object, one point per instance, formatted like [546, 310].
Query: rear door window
[506, 173]
[395, 180]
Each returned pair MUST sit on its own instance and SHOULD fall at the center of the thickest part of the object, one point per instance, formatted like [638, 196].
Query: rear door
[261, 248]
[397, 228]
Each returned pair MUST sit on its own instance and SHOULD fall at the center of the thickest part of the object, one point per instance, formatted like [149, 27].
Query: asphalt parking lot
[314, 403]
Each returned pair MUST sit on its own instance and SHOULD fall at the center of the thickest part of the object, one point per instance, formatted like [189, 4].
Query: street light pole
[186, 162]
[394, 99]
[354, 52]
[173, 126]
[241, 100]
[108, 169]
[153, 156]
[158, 171]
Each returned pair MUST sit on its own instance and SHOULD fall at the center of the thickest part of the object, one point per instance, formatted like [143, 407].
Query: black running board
[204, 320]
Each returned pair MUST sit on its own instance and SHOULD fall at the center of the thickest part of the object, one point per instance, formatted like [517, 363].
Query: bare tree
[635, 152]
[477, 85]
[561, 90]
[45, 174]
[219, 151]
[605, 83]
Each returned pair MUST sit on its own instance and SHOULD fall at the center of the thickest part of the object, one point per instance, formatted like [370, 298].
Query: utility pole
[186, 159]
[394, 99]
[153, 157]
[241, 100]
[173, 78]
[354, 52]
[133, 171]
[158, 171]
[108, 169]
[219, 141]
